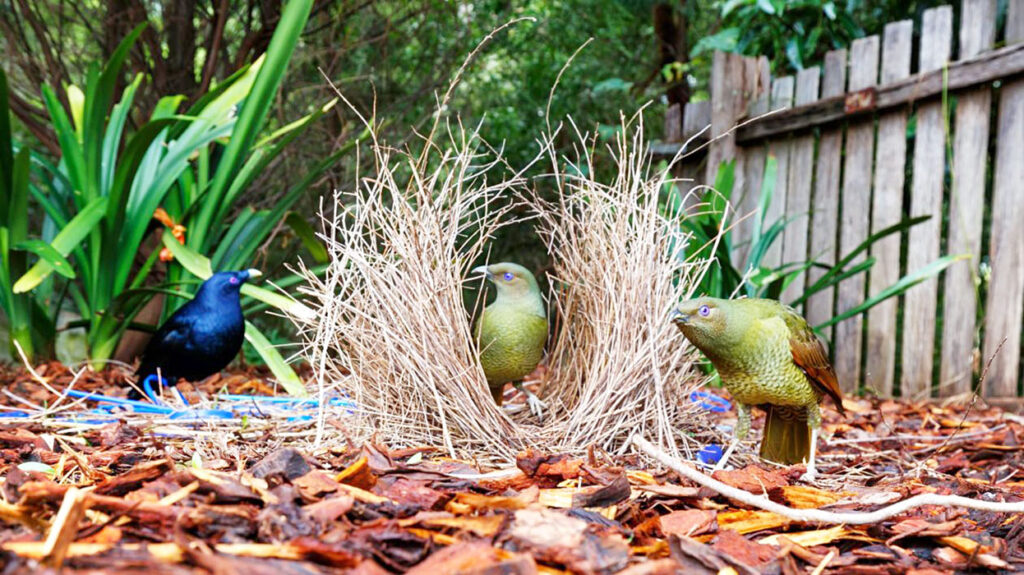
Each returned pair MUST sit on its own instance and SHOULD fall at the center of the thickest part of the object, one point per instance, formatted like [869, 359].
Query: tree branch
[818, 515]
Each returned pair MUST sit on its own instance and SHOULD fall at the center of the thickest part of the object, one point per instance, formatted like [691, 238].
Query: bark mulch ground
[123, 497]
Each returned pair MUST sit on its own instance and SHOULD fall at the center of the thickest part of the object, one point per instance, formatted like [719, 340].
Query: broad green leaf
[6, 145]
[301, 227]
[725, 40]
[291, 382]
[71, 150]
[296, 125]
[257, 104]
[76, 101]
[19, 193]
[765, 199]
[47, 252]
[65, 241]
[828, 278]
[902, 285]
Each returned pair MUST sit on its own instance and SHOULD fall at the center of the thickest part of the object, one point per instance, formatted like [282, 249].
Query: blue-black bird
[202, 337]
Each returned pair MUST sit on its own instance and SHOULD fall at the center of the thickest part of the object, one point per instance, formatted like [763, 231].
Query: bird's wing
[810, 355]
[171, 340]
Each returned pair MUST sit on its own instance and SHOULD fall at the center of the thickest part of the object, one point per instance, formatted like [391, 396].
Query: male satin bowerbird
[202, 337]
[511, 332]
[766, 355]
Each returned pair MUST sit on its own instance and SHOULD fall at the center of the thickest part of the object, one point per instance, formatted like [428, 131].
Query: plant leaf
[47, 252]
[301, 227]
[291, 382]
[902, 285]
[66, 240]
[199, 266]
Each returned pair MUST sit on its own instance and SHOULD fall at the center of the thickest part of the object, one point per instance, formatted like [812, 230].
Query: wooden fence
[867, 140]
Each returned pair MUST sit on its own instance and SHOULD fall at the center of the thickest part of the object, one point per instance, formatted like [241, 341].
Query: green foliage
[30, 322]
[795, 35]
[725, 278]
[102, 195]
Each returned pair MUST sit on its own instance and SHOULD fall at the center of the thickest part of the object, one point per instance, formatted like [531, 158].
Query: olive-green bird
[512, 331]
[766, 355]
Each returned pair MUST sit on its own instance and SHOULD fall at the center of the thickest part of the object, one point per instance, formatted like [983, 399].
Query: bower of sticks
[400, 462]
[392, 332]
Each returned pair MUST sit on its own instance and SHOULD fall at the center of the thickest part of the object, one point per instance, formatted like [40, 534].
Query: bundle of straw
[617, 365]
[392, 329]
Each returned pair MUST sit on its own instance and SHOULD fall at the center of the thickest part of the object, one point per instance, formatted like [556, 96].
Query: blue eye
[509, 276]
[704, 310]
[233, 280]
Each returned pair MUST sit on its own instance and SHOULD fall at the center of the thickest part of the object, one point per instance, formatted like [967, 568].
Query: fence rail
[870, 138]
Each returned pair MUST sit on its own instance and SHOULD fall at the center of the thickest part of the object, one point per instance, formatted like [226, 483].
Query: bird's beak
[484, 271]
[253, 273]
[679, 318]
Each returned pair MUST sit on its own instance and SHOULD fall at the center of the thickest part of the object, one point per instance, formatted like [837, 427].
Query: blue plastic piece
[710, 454]
[201, 414]
[711, 402]
[129, 404]
[229, 407]
[14, 414]
[147, 388]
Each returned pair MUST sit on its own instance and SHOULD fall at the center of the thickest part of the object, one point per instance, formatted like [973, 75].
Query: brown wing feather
[810, 355]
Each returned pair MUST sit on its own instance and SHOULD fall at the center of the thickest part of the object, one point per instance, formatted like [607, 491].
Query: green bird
[766, 355]
[512, 331]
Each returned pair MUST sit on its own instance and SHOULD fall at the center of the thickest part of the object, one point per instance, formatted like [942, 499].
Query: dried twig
[819, 515]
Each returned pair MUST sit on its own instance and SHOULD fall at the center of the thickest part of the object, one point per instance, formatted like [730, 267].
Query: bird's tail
[498, 393]
[787, 438]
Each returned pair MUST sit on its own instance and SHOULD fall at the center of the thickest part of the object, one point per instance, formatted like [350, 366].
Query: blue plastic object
[710, 401]
[227, 407]
[147, 388]
[710, 454]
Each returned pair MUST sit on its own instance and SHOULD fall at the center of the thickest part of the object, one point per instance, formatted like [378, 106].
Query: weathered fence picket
[1006, 252]
[966, 204]
[855, 212]
[825, 212]
[867, 153]
[886, 211]
[801, 176]
[782, 98]
[926, 200]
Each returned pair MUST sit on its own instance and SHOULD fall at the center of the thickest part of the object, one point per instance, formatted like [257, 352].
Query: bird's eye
[509, 276]
[704, 311]
[233, 281]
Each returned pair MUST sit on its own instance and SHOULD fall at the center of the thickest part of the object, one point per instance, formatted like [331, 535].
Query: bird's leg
[536, 405]
[739, 434]
[810, 475]
[814, 422]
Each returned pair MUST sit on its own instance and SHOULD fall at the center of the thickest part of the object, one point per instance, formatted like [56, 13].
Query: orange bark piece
[688, 523]
[357, 474]
[745, 521]
[752, 479]
[743, 550]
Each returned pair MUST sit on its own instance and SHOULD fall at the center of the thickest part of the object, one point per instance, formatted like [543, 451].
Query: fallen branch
[818, 515]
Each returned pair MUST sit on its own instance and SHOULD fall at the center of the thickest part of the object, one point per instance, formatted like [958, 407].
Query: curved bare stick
[818, 515]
